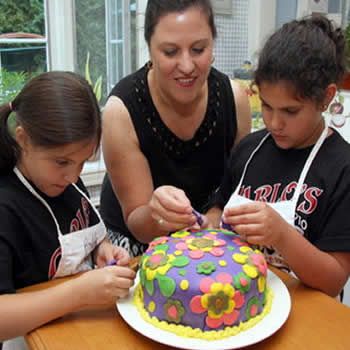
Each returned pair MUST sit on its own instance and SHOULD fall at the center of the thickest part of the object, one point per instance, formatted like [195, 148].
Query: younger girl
[291, 181]
[49, 228]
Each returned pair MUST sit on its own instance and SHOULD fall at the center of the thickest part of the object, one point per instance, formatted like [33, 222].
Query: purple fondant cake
[208, 280]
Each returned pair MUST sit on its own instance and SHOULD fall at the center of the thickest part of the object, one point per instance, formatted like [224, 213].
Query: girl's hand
[171, 209]
[104, 286]
[257, 222]
[106, 252]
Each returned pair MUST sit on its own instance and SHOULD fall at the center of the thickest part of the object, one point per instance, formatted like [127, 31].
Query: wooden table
[316, 321]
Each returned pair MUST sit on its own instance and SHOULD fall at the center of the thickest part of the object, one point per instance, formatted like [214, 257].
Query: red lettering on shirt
[309, 205]
[82, 215]
[288, 190]
[262, 193]
[54, 261]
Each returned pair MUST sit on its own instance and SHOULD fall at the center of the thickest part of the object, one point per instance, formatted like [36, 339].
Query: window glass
[91, 44]
[23, 44]
[121, 39]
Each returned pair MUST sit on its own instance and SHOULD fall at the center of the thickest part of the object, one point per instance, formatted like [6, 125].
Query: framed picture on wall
[320, 6]
[222, 7]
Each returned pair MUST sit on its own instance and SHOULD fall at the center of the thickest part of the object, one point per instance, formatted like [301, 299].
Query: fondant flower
[219, 299]
[206, 267]
[238, 241]
[174, 310]
[253, 261]
[242, 282]
[157, 241]
[156, 266]
[200, 245]
[180, 234]
[252, 307]
[259, 261]
[159, 262]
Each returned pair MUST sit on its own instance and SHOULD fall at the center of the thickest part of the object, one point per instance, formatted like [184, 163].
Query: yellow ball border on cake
[187, 331]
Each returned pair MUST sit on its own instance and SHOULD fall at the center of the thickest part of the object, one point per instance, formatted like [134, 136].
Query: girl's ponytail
[9, 149]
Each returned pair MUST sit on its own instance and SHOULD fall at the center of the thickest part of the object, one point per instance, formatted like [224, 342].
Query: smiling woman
[166, 125]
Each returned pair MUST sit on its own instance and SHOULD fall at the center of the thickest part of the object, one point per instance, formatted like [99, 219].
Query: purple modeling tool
[198, 217]
[112, 262]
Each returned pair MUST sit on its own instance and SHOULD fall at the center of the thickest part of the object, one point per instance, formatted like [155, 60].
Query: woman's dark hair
[54, 108]
[158, 8]
[308, 54]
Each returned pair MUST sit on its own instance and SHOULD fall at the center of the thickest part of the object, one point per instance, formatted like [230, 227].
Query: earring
[324, 107]
[149, 64]
[336, 110]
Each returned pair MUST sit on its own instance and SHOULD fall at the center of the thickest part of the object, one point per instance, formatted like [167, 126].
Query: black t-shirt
[29, 246]
[322, 213]
[196, 165]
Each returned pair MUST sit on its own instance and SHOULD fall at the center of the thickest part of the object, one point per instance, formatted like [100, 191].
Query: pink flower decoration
[181, 246]
[259, 261]
[196, 254]
[227, 299]
[157, 241]
[239, 241]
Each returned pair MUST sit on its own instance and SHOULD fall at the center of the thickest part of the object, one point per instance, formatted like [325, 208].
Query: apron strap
[35, 194]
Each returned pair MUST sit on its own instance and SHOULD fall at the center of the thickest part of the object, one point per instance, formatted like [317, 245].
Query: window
[121, 39]
[23, 44]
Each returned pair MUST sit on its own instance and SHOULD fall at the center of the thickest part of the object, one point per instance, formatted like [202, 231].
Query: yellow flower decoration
[180, 234]
[219, 300]
[184, 284]
[261, 284]
[240, 258]
[152, 306]
[158, 262]
[253, 262]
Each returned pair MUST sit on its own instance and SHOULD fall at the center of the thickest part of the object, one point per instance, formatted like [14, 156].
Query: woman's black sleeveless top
[195, 166]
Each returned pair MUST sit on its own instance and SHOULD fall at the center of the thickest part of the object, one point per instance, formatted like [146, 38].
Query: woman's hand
[106, 253]
[171, 209]
[257, 222]
[104, 286]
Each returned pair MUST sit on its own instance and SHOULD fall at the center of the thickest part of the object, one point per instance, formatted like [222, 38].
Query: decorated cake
[207, 284]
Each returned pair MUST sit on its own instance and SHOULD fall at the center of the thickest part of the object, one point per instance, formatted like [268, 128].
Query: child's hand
[106, 253]
[104, 286]
[257, 222]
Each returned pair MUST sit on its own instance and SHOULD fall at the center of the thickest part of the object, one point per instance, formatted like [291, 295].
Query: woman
[168, 128]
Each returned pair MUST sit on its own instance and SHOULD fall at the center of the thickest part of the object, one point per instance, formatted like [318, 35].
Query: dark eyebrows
[204, 41]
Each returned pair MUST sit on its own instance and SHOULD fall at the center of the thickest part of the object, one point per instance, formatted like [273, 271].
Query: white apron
[76, 248]
[286, 209]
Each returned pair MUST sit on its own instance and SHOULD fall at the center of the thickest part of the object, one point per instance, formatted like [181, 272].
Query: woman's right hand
[105, 285]
[171, 208]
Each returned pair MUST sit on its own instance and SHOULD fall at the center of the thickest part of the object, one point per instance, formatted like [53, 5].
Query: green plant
[97, 87]
[10, 84]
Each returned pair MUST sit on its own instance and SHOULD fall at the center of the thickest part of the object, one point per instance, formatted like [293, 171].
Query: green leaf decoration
[228, 233]
[163, 247]
[166, 285]
[149, 287]
[142, 277]
[182, 272]
[180, 261]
